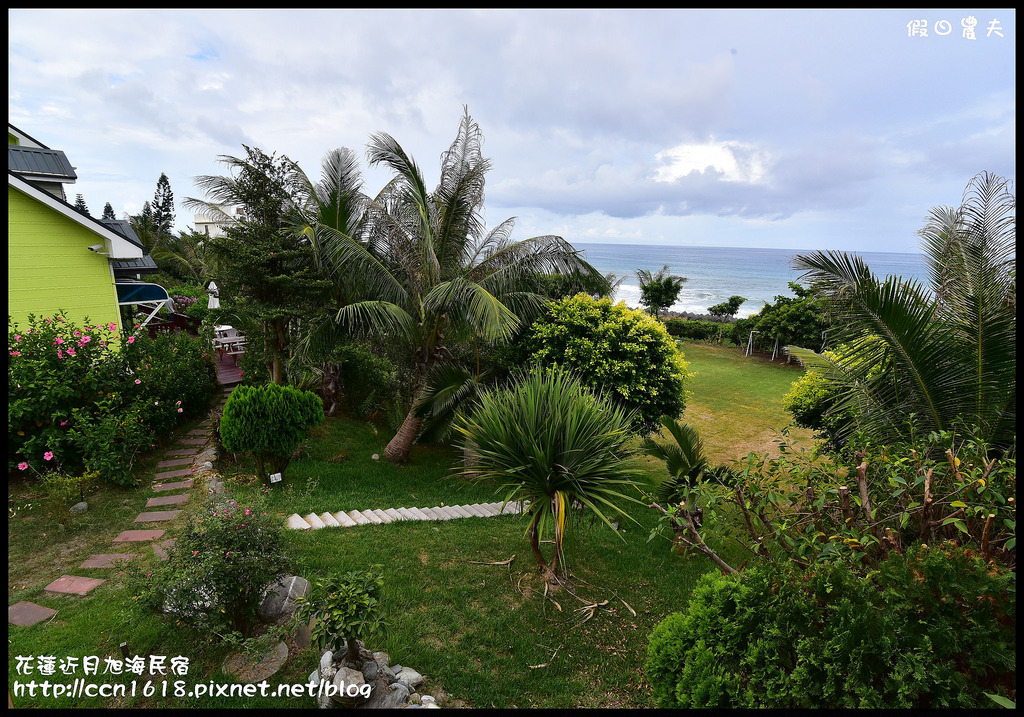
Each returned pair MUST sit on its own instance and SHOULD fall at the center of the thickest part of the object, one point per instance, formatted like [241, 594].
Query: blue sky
[799, 129]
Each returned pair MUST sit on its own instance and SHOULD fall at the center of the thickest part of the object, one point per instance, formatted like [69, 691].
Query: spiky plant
[549, 442]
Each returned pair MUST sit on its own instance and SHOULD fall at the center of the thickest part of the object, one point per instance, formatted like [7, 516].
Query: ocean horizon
[715, 273]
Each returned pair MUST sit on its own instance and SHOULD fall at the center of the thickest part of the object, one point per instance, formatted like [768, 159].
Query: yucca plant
[549, 442]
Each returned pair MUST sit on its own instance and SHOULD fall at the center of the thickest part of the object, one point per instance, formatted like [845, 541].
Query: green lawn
[484, 635]
[737, 402]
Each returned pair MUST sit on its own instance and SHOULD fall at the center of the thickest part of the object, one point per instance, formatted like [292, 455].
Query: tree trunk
[397, 451]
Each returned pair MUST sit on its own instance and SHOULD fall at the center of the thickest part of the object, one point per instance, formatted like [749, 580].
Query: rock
[415, 698]
[370, 670]
[392, 697]
[303, 635]
[427, 700]
[410, 677]
[395, 669]
[79, 508]
[375, 457]
[242, 668]
[348, 682]
[279, 599]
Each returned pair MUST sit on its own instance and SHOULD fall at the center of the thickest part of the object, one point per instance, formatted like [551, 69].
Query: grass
[484, 635]
[736, 404]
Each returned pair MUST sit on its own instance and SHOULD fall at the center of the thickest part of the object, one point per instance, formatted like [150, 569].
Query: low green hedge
[933, 628]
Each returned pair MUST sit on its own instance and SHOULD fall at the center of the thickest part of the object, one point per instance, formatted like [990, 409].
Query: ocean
[715, 273]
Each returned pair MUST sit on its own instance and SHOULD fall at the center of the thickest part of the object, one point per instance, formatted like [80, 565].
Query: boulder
[279, 599]
[79, 508]
[245, 670]
[410, 677]
[348, 682]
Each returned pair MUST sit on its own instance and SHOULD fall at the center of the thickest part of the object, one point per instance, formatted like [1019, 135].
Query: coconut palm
[684, 460]
[552, 444]
[947, 350]
[423, 270]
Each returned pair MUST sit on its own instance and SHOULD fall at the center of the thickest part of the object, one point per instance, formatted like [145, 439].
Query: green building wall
[50, 267]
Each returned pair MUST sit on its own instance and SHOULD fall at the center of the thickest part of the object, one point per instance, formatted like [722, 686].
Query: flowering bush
[87, 396]
[191, 300]
[215, 574]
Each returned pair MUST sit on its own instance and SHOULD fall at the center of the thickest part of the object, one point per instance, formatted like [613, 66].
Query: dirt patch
[423, 556]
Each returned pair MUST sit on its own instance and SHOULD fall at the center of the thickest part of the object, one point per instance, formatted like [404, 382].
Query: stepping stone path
[105, 561]
[26, 614]
[157, 516]
[72, 585]
[343, 519]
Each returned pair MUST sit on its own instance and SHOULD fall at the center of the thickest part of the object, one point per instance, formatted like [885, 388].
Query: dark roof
[36, 162]
[124, 228]
[130, 267]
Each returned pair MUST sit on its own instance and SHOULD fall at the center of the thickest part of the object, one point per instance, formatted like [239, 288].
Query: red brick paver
[167, 500]
[107, 560]
[27, 614]
[162, 487]
[73, 585]
[157, 516]
[138, 536]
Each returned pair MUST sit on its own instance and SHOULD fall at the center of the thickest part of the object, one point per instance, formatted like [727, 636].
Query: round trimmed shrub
[933, 628]
[269, 422]
[623, 353]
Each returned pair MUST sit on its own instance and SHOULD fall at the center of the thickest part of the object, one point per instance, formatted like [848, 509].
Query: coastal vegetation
[689, 547]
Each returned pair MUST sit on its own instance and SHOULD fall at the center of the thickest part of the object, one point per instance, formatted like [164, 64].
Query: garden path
[176, 459]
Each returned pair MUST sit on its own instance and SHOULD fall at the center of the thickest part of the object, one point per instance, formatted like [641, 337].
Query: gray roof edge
[21, 154]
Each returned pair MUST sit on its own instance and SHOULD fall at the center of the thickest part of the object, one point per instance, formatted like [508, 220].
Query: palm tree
[947, 350]
[420, 268]
[658, 291]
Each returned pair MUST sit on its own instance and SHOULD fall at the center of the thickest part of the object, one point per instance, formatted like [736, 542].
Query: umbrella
[214, 302]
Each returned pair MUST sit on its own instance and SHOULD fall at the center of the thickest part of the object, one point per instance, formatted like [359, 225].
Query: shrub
[110, 439]
[548, 440]
[696, 330]
[62, 491]
[269, 422]
[345, 608]
[933, 628]
[621, 352]
[216, 572]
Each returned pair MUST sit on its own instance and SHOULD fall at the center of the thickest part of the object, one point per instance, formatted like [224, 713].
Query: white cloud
[732, 161]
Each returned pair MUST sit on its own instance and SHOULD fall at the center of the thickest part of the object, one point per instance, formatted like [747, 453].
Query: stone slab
[162, 487]
[139, 536]
[329, 520]
[105, 560]
[192, 441]
[182, 452]
[180, 473]
[314, 521]
[157, 516]
[458, 509]
[475, 510]
[174, 463]
[342, 517]
[447, 512]
[295, 522]
[406, 514]
[73, 585]
[371, 516]
[167, 500]
[394, 514]
[420, 515]
[27, 614]
[358, 517]
[198, 432]
[431, 515]
[384, 517]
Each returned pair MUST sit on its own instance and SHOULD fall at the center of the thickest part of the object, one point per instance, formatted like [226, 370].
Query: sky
[795, 129]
